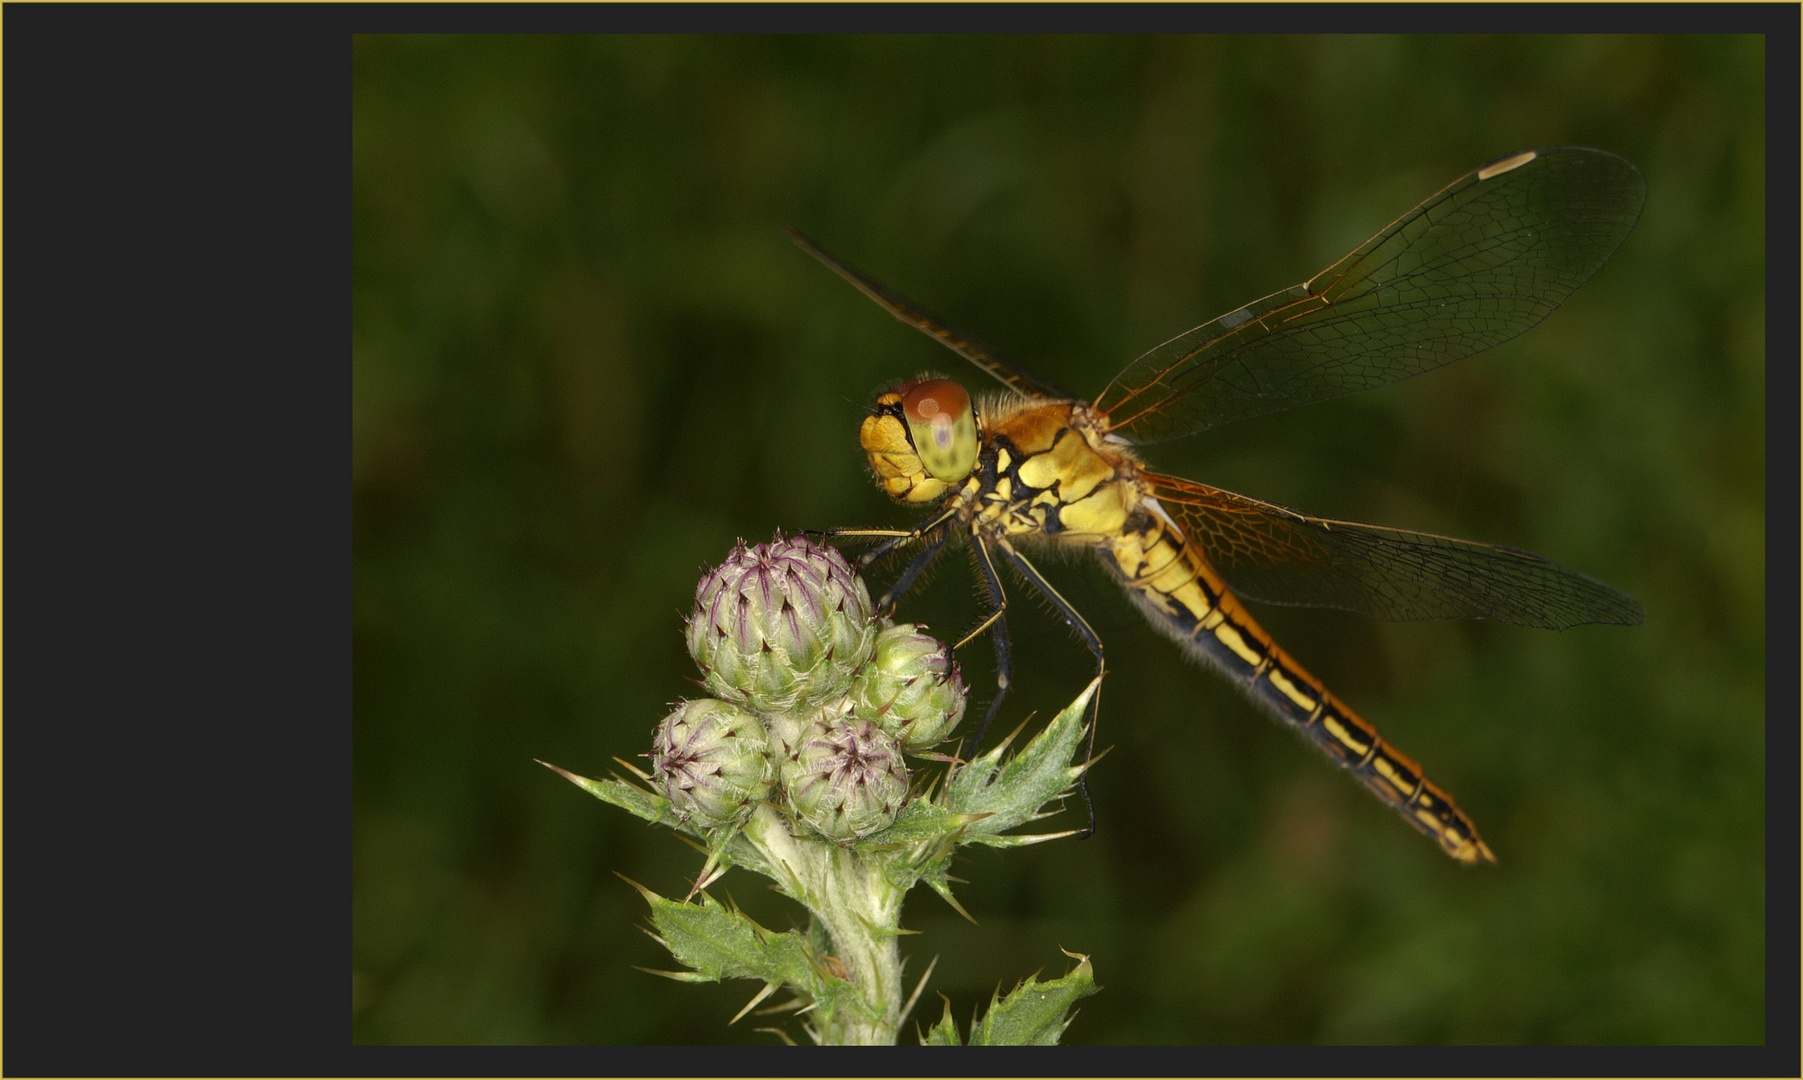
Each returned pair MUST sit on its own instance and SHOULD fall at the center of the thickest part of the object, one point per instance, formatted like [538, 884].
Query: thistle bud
[911, 688]
[713, 761]
[845, 779]
[780, 625]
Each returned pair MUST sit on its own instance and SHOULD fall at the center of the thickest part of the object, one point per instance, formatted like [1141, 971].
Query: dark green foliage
[586, 360]
[945, 1032]
[1033, 1013]
[717, 942]
[1010, 789]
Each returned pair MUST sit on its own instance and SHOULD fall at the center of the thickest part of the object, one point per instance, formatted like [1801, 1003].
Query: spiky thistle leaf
[1014, 792]
[1036, 1013]
[945, 1032]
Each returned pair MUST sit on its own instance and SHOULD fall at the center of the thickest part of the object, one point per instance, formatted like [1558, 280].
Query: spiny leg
[1031, 575]
[896, 537]
[886, 603]
[1091, 641]
[997, 620]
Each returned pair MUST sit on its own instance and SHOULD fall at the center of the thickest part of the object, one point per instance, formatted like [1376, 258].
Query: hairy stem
[861, 911]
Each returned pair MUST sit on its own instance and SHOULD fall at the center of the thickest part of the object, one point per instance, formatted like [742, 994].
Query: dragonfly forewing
[1476, 264]
[1011, 375]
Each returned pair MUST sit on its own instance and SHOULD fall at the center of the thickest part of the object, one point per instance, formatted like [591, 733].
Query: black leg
[998, 622]
[886, 603]
[1031, 575]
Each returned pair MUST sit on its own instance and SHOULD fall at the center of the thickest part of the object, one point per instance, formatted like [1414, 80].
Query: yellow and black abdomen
[1187, 600]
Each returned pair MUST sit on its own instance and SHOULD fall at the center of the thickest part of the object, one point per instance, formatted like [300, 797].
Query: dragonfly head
[922, 439]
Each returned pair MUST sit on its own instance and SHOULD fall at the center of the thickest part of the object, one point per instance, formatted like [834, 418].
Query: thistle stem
[861, 912]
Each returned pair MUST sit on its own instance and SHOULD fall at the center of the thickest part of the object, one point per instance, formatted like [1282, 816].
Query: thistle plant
[797, 769]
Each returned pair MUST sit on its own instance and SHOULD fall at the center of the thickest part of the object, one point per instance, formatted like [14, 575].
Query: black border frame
[176, 870]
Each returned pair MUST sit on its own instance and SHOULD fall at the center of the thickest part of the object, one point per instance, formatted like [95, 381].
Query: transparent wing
[1281, 556]
[1009, 374]
[1473, 266]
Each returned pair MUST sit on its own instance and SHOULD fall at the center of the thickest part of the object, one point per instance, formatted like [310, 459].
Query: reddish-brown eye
[936, 400]
[943, 427]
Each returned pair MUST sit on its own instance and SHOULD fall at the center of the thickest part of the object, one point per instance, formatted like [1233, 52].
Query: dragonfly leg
[1091, 641]
[895, 537]
[1031, 575]
[998, 623]
[982, 627]
[886, 603]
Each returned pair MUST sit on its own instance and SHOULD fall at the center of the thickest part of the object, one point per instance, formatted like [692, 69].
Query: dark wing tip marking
[1506, 164]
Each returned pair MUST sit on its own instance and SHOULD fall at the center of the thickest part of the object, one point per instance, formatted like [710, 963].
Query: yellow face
[922, 440]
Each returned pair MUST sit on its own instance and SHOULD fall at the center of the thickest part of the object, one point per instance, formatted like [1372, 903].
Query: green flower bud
[780, 625]
[713, 761]
[911, 688]
[845, 779]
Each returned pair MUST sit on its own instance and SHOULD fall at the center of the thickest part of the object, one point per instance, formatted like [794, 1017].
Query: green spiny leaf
[919, 845]
[1014, 840]
[920, 821]
[942, 886]
[945, 1032]
[718, 942]
[724, 847]
[628, 797]
[1035, 1014]
[1013, 793]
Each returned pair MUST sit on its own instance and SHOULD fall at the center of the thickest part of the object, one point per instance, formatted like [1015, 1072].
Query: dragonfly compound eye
[944, 428]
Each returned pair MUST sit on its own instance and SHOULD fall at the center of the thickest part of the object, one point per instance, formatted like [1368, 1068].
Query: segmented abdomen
[1184, 597]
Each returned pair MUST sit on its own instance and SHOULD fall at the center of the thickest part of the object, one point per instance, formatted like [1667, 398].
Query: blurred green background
[586, 360]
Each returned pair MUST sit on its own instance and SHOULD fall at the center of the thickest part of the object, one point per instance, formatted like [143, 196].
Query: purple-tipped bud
[911, 688]
[780, 625]
[713, 761]
[845, 779]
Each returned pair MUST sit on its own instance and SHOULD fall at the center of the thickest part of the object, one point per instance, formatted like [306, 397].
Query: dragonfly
[1475, 264]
